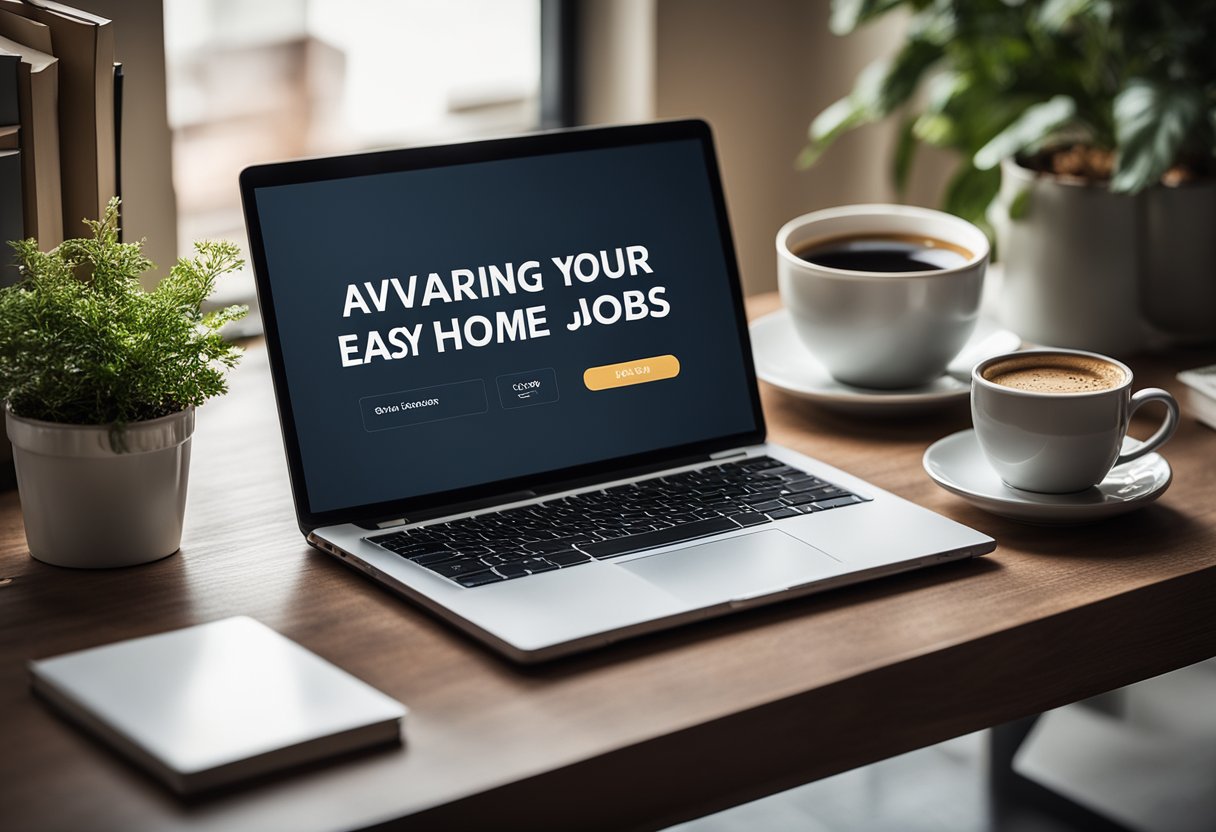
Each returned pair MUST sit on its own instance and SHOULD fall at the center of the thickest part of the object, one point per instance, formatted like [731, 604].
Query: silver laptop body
[408, 473]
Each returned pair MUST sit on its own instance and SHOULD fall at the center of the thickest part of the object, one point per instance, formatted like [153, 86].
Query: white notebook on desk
[214, 704]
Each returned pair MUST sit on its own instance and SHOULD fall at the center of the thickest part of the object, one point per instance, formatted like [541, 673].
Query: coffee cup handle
[1142, 397]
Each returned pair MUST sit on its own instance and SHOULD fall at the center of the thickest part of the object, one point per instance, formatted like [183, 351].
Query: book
[217, 703]
[37, 104]
[119, 78]
[26, 32]
[1201, 393]
[12, 223]
[84, 45]
[9, 112]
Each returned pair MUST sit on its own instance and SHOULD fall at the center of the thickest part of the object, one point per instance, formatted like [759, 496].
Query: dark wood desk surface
[641, 734]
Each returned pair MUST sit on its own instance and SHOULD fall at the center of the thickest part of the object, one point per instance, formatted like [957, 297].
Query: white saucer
[784, 362]
[957, 464]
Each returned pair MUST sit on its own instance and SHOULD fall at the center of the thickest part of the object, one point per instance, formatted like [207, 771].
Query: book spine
[12, 222]
[10, 112]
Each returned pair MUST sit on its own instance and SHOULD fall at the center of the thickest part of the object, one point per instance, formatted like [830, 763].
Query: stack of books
[58, 123]
[1201, 393]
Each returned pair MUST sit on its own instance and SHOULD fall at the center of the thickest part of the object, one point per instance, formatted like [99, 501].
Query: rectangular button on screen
[423, 404]
[638, 371]
[528, 388]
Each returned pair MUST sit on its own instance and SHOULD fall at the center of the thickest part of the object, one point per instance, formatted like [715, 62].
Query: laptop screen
[479, 322]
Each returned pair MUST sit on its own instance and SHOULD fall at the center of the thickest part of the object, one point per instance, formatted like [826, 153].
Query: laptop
[516, 387]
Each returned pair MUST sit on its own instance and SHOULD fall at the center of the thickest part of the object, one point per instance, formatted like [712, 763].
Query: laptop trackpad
[736, 568]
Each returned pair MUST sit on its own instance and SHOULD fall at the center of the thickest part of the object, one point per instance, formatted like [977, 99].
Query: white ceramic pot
[1071, 277]
[1178, 253]
[89, 505]
[1091, 270]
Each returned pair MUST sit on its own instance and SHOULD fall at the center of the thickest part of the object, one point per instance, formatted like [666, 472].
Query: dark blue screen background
[319, 237]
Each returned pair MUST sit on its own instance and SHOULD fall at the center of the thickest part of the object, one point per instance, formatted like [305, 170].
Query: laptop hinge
[388, 524]
[729, 454]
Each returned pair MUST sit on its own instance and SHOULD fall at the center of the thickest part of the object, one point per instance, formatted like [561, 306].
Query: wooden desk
[639, 735]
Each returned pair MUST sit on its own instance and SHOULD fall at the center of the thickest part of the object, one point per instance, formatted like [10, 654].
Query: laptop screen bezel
[370, 164]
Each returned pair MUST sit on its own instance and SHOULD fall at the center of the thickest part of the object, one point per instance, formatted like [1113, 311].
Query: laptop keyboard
[568, 531]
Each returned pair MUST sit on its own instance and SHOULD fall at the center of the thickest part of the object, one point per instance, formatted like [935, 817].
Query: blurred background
[278, 79]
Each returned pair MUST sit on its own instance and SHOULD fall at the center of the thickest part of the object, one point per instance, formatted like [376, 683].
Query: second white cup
[1053, 420]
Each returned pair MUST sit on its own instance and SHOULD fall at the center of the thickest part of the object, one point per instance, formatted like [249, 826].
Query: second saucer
[957, 464]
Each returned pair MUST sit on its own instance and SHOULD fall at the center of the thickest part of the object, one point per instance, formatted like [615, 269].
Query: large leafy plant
[1001, 78]
[82, 343]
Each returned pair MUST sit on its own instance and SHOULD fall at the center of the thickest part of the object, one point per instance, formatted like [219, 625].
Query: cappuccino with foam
[1056, 373]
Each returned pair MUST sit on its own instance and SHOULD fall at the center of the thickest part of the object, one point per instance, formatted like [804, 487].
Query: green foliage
[1033, 126]
[1152, 124]
[1006, 77]
[82, 343]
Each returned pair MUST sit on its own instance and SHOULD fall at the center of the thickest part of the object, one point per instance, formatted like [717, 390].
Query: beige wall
[758, 72]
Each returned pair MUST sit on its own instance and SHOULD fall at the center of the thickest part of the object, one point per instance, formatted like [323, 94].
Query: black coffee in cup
[885, 253]
[902, 300]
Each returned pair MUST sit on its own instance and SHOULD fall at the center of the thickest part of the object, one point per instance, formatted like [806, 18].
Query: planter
[1071, 273]
[1088, 269]
[88, 505]
[1178, 258]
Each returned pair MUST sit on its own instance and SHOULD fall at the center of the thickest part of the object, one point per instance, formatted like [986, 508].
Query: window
[281, 79]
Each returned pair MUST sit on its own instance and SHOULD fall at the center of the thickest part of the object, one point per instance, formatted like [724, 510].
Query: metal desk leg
[1009, 791]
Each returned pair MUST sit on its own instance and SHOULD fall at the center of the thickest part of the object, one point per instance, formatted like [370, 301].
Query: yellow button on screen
[626, 373]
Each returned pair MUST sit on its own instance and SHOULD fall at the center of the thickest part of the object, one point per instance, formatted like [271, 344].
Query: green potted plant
[100, 381]
[1087, 131]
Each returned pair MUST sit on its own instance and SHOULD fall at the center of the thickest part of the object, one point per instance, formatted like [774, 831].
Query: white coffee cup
[883, 330]
[1053, 420]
